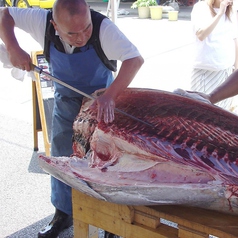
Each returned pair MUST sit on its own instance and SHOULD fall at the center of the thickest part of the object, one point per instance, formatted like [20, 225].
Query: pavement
[25, 188]
[125, 9]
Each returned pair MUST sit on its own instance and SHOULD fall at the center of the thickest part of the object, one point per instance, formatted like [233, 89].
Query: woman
[216, 46]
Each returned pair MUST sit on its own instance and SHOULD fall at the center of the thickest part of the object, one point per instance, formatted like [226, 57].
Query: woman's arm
[205, 31]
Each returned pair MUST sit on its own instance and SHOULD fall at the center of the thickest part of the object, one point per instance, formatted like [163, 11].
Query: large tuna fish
[189, 156]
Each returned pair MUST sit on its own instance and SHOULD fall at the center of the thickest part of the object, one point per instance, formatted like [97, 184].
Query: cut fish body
[190, 157]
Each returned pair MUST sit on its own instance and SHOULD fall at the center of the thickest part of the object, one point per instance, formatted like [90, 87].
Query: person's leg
[61, 195]
[59, 222]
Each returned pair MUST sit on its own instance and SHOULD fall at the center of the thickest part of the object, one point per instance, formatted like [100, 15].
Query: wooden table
[148, 221]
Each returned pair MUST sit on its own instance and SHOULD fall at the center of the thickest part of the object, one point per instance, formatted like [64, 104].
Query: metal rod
[41, 71]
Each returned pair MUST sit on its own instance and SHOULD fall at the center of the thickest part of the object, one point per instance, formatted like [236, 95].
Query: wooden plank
[125, 213]
[146, 219]
[81, 229]
[162, 231]
[99, 219]
[202, 220]
[185, 232]
[122, 228]
[40, 101]
[34, 105]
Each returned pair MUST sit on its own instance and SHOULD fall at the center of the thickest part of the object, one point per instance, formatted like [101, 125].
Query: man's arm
[18, 57]
[127, 72]
[227, 89]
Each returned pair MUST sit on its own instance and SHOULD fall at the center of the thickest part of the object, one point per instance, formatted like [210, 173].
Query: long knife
[41, 71]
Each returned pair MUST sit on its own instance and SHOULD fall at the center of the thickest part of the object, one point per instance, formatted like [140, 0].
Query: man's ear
[53, 23]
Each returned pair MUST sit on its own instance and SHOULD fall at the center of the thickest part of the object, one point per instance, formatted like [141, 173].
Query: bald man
[82, 47]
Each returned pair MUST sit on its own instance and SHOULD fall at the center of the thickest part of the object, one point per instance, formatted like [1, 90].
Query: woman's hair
[228, 9]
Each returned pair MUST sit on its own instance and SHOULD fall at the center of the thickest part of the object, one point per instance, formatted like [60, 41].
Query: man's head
[72, 20]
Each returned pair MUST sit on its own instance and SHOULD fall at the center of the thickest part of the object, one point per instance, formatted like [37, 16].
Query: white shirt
[114, 43]
[217, 51]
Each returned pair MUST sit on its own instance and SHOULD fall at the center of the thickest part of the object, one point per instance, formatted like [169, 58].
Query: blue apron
[86, 72]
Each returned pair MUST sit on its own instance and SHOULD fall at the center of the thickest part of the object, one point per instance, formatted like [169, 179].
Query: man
[81, 46]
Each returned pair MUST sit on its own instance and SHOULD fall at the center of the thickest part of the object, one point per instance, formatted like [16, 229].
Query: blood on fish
[233, 190]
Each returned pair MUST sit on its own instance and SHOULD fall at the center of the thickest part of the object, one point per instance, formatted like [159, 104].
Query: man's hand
[202, 95]
[194, 95]
[105, 106]
[20, 59]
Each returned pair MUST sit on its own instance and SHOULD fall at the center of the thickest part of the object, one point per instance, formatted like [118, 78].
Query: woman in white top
[216, 46]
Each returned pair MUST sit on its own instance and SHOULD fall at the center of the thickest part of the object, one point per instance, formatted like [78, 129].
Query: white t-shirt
[217, 51]
[114, 43]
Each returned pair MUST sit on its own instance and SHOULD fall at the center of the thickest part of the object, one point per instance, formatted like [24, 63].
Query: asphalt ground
[25, 188]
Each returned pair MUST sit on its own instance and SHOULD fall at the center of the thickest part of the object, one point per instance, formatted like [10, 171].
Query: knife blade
[53, 78]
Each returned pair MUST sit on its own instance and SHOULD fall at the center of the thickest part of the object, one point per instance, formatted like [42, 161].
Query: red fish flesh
[189, 156]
